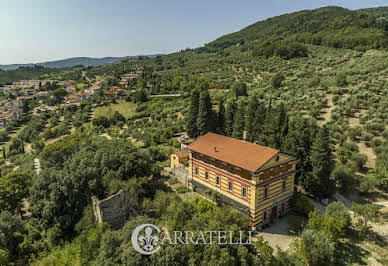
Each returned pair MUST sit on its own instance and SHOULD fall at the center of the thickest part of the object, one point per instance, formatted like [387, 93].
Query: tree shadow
[348, 253]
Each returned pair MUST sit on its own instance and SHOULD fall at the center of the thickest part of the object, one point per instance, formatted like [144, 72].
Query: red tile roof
[239, 153]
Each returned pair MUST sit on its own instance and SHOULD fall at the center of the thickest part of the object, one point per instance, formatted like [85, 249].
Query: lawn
[124, 108]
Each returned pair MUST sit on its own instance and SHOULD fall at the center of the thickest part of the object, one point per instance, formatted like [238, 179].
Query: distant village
[14, 96]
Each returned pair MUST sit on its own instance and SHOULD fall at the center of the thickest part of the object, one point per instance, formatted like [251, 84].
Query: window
[265, 216]
[244, 192]
[206, 175]
[230, 186]
[284, 185]
[283, 207]
[265, 193]
[196, 170]
[218, 180]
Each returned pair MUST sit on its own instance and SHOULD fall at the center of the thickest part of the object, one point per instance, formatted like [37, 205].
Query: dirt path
[368, 151]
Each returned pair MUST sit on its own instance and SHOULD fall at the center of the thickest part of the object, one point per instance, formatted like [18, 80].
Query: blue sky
[37, 31]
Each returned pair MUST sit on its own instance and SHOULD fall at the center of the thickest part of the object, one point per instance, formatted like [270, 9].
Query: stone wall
[111, 210]
[181, 172]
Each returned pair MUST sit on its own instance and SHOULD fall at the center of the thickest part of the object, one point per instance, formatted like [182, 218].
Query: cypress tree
[229, 116]
[191, 126]
[205, 113]
[269, 128]
[281, 126]
[318, 182]
[301, 134]
[255, 118]
[239, 121]
[221, 117]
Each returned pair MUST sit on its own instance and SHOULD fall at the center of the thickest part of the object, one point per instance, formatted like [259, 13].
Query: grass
[124, 108]
[182, 190]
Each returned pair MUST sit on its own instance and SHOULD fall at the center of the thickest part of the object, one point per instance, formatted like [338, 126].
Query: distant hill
[328, 26]
[70, 62]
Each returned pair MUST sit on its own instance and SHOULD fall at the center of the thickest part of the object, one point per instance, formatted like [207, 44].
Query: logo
[146, 243]
[148, 238]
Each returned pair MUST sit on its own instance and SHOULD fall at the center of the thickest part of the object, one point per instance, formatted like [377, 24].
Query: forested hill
[328, 26]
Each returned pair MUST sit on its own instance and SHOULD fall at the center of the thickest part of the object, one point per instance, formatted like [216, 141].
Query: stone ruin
[111, 209]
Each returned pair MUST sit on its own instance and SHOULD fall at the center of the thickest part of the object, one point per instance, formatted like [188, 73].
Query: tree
[301, 135]
[58, 95]
[191, 126]
[205, 113]
[365, 213]
[288, 258]
[264, 251]
[229, 116]
[140, 96]
[11, 235]
[316, 248]
[13, 189]
[368, 183]
[239, 89]
[117, 117]
[221, 117]
[318, 182]
[334, 227]
[255, 118]
[337, 209]
[280, 124]
[380, 172]
[344, 176]
[277, 80]
[341, 80]
[239, 121]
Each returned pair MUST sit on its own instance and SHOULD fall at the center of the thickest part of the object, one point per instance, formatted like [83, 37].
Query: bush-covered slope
[328, 26]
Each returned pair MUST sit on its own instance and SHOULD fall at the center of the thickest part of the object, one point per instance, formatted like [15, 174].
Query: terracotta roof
[182, 154]
[239, 153]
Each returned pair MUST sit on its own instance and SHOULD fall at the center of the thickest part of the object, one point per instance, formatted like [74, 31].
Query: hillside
[329, 26]
[313, 84]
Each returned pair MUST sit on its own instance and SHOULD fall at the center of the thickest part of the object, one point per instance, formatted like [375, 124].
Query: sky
[43, 30]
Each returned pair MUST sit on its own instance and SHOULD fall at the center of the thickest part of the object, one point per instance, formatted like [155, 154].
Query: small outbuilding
[179, 157]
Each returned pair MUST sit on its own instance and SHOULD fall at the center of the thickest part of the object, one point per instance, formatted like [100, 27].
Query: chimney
[215, 149]
[244, 135]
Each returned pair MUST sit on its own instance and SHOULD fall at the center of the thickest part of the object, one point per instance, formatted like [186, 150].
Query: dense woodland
[312, 83]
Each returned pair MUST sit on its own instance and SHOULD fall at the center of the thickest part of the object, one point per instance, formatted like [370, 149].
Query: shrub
[182, 190]
[344, 176]
[368, 183]
[355, 132]
[338, 209]
[317, 248]
[360, 159]
[301, 204]
[277, 80]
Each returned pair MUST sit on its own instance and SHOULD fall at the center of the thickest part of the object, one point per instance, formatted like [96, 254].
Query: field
[124, 108]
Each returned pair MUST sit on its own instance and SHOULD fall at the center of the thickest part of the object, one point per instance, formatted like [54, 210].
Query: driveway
[277, 234]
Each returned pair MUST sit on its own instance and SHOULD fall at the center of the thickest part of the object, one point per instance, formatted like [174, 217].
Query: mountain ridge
[74, 61]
